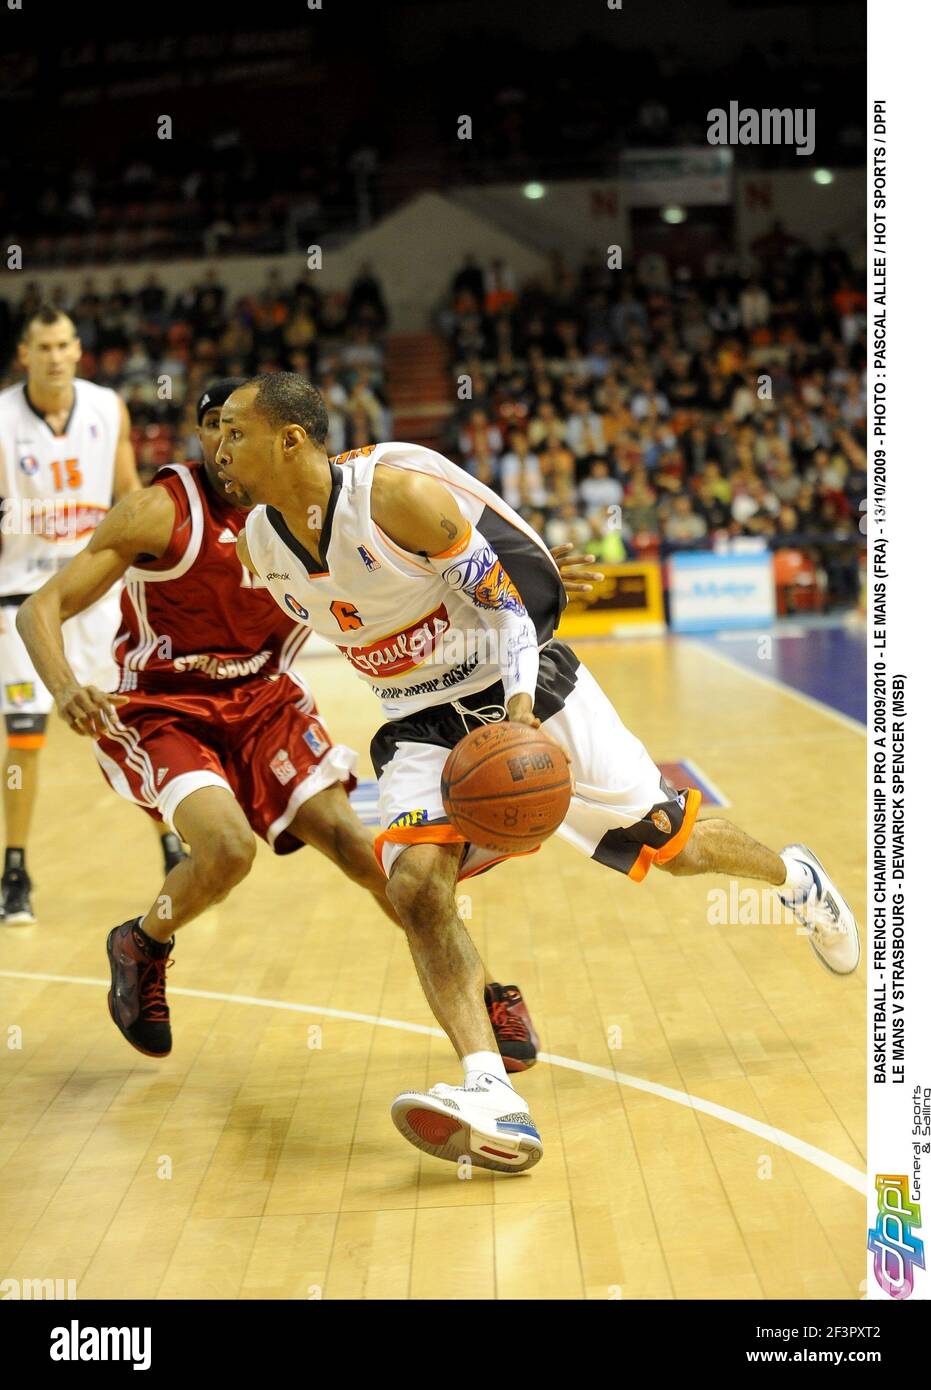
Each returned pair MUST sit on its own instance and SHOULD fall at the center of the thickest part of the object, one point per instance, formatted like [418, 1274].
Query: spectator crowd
[642, 411]
[630, 413]
[159, 350]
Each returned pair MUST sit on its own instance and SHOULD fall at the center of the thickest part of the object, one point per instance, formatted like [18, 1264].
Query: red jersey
[196, 619]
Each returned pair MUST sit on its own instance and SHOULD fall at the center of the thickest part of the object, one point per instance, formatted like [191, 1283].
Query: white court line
[775, 682]
[844, 1172]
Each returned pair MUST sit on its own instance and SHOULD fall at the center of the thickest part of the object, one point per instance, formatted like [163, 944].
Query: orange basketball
[506, 787]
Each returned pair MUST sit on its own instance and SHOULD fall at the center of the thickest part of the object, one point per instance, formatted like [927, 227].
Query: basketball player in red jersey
[211, 729]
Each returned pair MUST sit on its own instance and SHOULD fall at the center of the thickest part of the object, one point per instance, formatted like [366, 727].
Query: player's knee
[683, 864]
[691, 858]
[226, 859]
[237, 850]
[418, 898]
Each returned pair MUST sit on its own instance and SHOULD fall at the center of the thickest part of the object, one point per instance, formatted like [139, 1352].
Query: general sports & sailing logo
[897, 1251]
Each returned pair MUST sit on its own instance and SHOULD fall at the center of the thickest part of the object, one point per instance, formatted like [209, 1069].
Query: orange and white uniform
[444, 642]
[54, 491]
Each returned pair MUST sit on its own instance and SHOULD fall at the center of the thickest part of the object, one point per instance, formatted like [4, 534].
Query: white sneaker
[487, 1123]
[832, 927]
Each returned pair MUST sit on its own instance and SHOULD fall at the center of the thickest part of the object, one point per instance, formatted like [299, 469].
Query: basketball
[506, 787]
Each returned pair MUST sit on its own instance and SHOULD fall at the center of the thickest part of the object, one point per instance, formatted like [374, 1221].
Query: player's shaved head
[286, 398]
[272, 440]
[46, 316]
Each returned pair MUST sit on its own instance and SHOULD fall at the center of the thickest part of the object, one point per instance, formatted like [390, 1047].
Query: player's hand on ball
[85, 709]
[520, 711]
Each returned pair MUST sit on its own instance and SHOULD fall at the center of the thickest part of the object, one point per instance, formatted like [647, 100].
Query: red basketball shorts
[263, 740]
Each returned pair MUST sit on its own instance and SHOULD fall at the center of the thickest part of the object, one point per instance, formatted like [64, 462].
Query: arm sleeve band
[471, 567]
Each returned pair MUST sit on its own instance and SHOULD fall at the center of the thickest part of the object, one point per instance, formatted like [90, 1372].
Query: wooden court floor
[702, 1105]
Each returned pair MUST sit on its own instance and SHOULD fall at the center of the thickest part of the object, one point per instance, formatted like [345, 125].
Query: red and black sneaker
[137, 988]
[514, 1032]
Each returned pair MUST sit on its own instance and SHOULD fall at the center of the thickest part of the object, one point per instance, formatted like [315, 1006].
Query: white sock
[799, 878]
[489, 1063]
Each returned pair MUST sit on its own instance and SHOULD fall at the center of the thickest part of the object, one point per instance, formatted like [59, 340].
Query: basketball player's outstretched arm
[422, 516]
[140, 525]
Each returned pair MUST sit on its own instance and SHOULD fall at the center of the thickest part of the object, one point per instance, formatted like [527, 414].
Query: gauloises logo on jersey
[401, 651]
[58, 519]
[298, 609]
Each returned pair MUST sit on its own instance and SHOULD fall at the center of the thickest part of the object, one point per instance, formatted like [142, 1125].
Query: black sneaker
[16, 885]
[173, 851]
[136, 999]
[511, 1023]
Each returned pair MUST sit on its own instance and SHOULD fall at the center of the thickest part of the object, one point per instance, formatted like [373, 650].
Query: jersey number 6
[346, 614]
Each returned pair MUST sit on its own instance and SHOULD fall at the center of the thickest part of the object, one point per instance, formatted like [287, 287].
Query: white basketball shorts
[623, 812]
[88, 639]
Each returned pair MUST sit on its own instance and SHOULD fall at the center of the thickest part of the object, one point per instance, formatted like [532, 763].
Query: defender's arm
[140, 525]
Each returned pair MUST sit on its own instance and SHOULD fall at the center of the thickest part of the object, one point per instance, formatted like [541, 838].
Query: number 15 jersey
[56, 488]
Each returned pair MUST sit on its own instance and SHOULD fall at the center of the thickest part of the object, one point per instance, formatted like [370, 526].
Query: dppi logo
[896, 1251]
[296, 608]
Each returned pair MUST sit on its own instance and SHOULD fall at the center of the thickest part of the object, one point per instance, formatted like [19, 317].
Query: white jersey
[56, 488]
[410, 636]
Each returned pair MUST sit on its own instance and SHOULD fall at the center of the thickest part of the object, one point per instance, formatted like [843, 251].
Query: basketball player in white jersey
[65, 453]
[445, 602]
